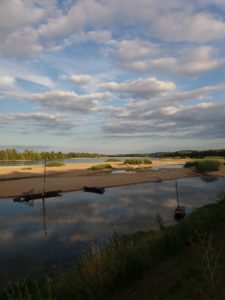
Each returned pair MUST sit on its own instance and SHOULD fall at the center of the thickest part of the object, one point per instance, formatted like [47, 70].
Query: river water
[66, 161]
[46, 237]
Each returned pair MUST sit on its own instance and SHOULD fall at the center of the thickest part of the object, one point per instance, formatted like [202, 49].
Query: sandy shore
[15, 180]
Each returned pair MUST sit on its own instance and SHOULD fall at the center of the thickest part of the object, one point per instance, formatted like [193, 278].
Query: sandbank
[15, 180]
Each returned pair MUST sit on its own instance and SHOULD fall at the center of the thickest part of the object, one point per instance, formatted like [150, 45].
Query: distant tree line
[11, 154]
[190, 153]
[181, 153]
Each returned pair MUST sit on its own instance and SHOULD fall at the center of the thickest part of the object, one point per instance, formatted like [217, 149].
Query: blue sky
[112, 76]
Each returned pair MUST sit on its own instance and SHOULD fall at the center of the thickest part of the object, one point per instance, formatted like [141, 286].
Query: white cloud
[201, 120]
[100, 36]
[82, 79]
[40, 121]
[186, 61]
[82, 13]
[141, 88]
[134, 49]
[193, 26]
[19, 21]
[7, 81]
[70, 101]
[24, 71]
[21, 44]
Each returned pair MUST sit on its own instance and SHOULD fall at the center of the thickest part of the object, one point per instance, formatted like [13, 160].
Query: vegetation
[191, 153]
[179, 154]
[11, 154]
[83, 155]
[204, 165]
[55, 164]
[186, 261]
[101, 167]
[112, 160]
[137, 161]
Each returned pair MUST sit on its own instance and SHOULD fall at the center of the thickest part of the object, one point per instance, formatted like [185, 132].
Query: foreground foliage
[186, 261]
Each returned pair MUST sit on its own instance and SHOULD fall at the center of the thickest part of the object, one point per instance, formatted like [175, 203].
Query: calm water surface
[45, 239]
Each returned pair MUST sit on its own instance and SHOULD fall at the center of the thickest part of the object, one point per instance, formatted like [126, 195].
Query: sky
[112, 76]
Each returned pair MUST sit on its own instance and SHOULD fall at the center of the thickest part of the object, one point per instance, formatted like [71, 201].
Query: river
[46, 237]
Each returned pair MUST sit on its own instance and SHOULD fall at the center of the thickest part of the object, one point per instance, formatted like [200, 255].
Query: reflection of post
[177, 194]
[44, 217]
[43, 192]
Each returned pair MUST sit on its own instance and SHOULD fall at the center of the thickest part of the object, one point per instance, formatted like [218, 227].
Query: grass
[138, 161]
[186, 261]
[113, 160]
[55, 164]
[101, 167]
[204, 165]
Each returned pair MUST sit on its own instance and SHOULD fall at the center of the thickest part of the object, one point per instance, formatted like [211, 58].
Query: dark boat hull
[24, 198]
[94, 189]
[179, 213]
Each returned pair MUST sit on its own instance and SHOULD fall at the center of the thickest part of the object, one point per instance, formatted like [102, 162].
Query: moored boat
[179, 212]
[94, 189]
[35, 196]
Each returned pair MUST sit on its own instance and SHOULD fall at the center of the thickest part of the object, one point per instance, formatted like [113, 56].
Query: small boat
[179, 212]
[28, 197]
[94, 189]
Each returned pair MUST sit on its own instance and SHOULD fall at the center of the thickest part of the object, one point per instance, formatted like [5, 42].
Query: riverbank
[15, 180]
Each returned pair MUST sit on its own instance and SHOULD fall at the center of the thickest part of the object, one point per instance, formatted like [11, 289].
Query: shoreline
[15, 180]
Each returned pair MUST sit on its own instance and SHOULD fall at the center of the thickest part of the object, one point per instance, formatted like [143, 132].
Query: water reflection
[40, 238]
[209, 179]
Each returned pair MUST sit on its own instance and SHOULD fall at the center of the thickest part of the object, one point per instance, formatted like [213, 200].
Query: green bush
[55, 164]
[190, 164]
[205, 165]
[137, 161]
[113, 160]
[101, 167]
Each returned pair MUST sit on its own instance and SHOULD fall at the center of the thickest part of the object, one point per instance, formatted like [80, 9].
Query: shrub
[101, 166]
[190, 164]
[137, 161]
[205, 165]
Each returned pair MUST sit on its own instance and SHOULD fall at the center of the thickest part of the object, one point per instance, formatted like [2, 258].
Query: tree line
[11, 154]
[190, 153]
